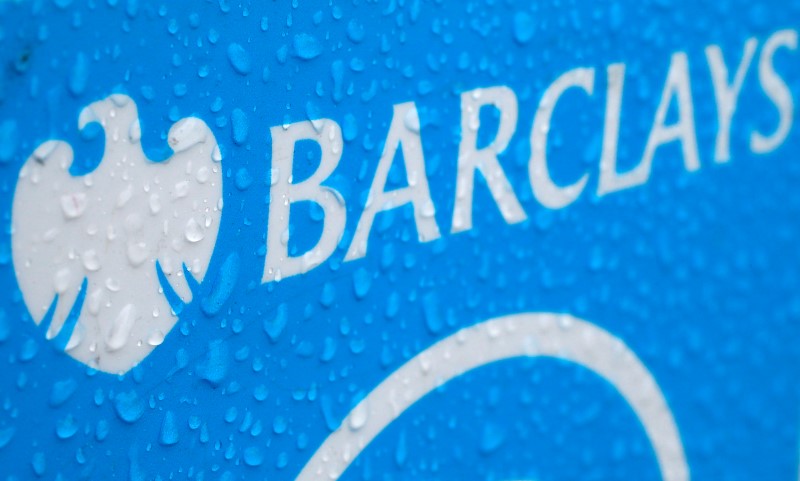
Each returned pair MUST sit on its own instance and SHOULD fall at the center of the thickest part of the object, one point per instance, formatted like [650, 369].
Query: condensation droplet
[359, 416]
[90, 260]
[73, 205]
[61, 280]
[194, 231]
[121, 328]
[155, 338]
[137, 252]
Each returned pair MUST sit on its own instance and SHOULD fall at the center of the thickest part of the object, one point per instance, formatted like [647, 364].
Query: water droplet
[62, 391]
[135, 132]
[194, 231]
[274, 326]
[492, 438]
[328, 295]
[239, 58]
[401, 452]
[121, 328]
[39, 463]
[169, 430]
[137, 253]
[101, 432]
[524, 27]
[411, 121]
[214, 367]
[203, 174]
[223, 285]
[129, 406]
[279, 425]
[66, 427]
[5, 326]
[240, 126]
[90, 260]
[359, 416]
[79, 76]
[307, 46]
[112, 284]
[260, 393]
[430, 309]
[243, 179]
[253, 456]
[355, 31]
[156, 338]
[62, 280]
[186, 133]
[6, 435]
[181, 189]
[362, 281]
[8, 140]
[155, 204]
[73, 205]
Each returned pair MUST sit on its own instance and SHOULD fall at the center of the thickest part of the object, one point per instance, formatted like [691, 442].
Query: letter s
[778, 92]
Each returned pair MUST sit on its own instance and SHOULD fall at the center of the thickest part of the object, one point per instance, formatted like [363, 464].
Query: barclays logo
[100, 258]
[98, 255]
[103, 258]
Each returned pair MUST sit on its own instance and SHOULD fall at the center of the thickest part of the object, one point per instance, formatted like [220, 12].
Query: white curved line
[519, 335]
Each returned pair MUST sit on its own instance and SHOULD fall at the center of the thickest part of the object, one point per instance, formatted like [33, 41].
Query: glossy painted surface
[690, 268]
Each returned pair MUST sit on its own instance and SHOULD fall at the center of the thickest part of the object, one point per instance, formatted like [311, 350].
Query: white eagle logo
[97, 255]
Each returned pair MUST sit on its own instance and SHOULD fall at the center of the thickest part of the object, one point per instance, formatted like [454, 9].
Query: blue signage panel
[399, 240]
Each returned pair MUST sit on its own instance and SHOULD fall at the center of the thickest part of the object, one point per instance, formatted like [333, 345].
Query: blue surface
[697, 272]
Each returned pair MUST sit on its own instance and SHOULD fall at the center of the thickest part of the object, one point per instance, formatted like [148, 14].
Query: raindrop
[253, 456]
[524, 27]
[129, 406]
[121, 328]
[239, 58]
[79, 76]
[62, 391]
[274, 326]
[90, 260]
[137, 253]
[492, 438]
[156, 338]
[73, 205]
[101, 432]
[8, 140]
[359, 416]
[194, 231]
[6, 434]
[430, 309]
[307, 46]
[279, 425]
[223, 285]
[328, 295]
[411, 121]
[39, 463]
[240, 126]
[362, 281]
[214, 367]
[66, 427]
[355, 31]
[169, 430]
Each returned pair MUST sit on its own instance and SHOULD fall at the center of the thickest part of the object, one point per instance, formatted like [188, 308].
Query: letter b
[283, 193]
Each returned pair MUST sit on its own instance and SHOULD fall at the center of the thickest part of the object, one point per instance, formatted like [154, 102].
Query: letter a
[403, 133]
